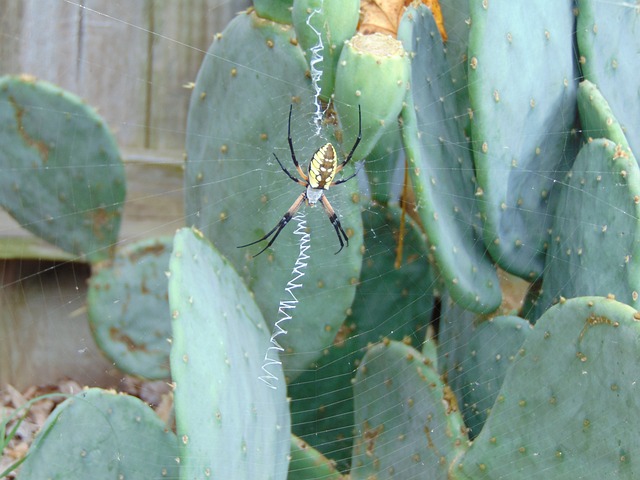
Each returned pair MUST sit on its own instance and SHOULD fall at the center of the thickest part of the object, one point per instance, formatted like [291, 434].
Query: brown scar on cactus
[370, 435]
[101, 218]
[39, 145]
[593, 320]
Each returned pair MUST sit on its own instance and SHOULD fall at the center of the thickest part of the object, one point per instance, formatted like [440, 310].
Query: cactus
[100, 435]
[381, 166]
[236, 192]
[609, 41]
[457, 24]
[275, 10]
[561, 410]
[430, 352]
[475, 355]
[230, 424]
[128, 308]
[309, 464]
[441, 170]
[522, 87]
[322, 397]
[64, 180]
[587, 231]
[597, 118]
[407, 421]
[373, 72]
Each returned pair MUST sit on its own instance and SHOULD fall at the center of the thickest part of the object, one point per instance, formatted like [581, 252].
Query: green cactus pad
[128, 308]
[595, 239]
[430, 352]
[475, 355]
[309, 464]
[390, 302]
[336, 21]
[456, 22]
[567, 406]
[102, 436]
[441, 170]
[236, 192]
[381, 166]
[597, 118]
[522, 86]
[407, 423]
[373, 73]
[275, 10]
[62, 176]
[609, 41]
[230, 424]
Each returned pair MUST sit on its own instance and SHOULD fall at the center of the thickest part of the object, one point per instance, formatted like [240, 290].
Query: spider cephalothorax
[323, 168]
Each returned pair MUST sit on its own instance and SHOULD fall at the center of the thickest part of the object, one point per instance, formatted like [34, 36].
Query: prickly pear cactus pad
[102, 436]
[475, 355]
[373, 72]
[128, 308]
[407, 421]
[381, 165]
[236, 191]
[597, 119]
[567, 406]
[390, 302]
[609, 41]
[309, 464]
[441, 169]
[62, 176]
[229, 423]
[276, 10]
[595, 239]
[522, 86]
[457, 25]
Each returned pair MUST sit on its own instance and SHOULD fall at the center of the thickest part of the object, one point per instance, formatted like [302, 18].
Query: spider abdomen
[322, 167]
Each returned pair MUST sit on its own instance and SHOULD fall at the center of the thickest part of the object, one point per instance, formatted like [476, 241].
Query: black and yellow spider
[323, 168]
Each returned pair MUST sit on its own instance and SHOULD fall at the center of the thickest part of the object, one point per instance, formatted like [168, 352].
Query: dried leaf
[384, 16]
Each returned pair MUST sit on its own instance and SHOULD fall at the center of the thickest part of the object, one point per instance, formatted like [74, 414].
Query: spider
[323, 167]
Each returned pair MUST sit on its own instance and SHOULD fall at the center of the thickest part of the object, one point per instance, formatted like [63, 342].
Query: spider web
[44, 328]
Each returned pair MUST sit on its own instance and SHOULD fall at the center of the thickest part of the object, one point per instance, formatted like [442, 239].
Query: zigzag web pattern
[271, 357]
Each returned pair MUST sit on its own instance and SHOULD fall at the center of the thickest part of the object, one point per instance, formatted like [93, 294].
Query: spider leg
[333, 218]
[355, 145]
[297, 180]
[280, 225]
[343, 180]
[293, 154]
